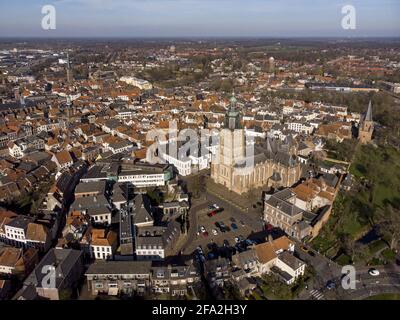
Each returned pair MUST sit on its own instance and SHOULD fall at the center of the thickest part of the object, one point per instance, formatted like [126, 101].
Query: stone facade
[274, 163]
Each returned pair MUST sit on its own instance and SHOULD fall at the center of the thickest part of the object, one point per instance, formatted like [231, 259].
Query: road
[366, 285]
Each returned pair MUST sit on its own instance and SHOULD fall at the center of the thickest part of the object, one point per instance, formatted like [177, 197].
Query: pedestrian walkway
[229, 201]
[242, 203]
[318, 295]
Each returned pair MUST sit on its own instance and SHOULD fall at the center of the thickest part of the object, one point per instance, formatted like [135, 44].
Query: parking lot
[237, 224]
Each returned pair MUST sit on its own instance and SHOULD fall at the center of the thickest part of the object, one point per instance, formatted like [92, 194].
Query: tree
[347, 243]
[389, 225]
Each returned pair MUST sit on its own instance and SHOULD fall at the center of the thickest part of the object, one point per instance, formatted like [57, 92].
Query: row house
[17, 261]
[140, 277]
[22, 232]
[99, 243]
[19, 148]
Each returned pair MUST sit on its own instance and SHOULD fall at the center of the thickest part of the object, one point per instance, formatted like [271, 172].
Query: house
[100, 215]
[75, 227]
[217, 271]
[157, 242]
[289, 267]
[92, 188]
[115, 277]
[102, 243]
[56, 275]
[63, 159]
[90, 202]
[38, 236]
[91, 153]
[267, 252]
[15, 230]
[247, 261]
[246, 285]
[143, 211]
[175, 208]
[17, 261]
[281, 211]
[5, 217]
[173, 279]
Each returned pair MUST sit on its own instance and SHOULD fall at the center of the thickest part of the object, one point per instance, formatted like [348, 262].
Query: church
[366, 127]
[274, 162]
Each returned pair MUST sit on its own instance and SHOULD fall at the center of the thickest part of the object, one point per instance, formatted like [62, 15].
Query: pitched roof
[37, 232]
[267, 251]
[63, 157]
[102, 238]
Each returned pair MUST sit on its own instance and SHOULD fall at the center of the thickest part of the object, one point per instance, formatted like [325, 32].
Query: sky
[200, 18]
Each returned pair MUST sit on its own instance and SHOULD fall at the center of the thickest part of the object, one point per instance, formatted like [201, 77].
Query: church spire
[232, 116]
[368, 116]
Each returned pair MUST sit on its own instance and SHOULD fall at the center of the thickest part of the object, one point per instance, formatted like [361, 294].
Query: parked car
[202, 229]
[330, 285]
[234, 226]
[373, 272]
[237, 239]
[214, 232]
[232, 219]
[241, 223]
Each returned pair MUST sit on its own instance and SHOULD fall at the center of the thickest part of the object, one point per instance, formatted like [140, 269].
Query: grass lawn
[385, 296]
[377, 245]
[388, 254]
[343, 260]
[376, 186]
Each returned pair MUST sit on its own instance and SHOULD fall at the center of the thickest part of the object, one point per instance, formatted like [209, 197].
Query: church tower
[231, 147]
[366, 127]
[69, 71]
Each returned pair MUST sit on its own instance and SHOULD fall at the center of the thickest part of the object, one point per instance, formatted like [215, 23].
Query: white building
[140, 83]
[300, 127]
[291, 266]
